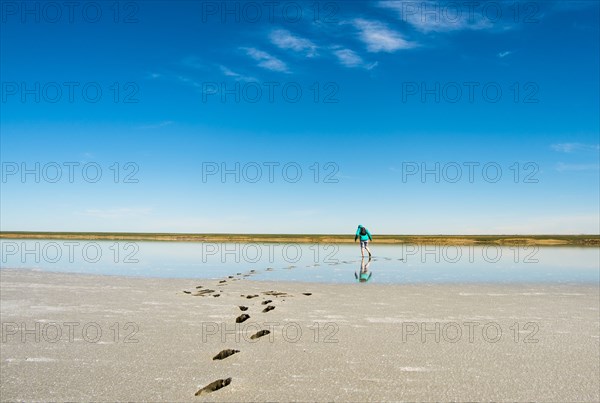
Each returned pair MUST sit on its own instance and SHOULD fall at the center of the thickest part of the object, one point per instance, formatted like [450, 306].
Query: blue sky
[362, 97]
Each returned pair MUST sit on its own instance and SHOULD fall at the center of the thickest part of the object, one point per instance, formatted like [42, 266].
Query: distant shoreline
[526, 240]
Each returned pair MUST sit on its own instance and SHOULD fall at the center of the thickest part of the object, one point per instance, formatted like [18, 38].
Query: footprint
[211, 387]
[243, 308]
[274, 293]
[224, 354]
[307, 293]
[202, 293]
[269, 308]
[243, 317]
[266, 302]
[260, 333]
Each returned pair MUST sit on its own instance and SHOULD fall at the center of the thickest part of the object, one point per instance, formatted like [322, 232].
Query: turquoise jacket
[363, 237]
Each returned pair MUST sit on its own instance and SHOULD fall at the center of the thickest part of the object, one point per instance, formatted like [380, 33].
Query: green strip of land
[539, 240]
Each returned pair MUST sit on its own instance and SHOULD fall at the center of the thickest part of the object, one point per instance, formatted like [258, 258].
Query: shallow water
[327, 263]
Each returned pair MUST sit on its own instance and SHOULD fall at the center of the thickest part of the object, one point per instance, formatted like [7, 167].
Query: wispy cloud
[230, 73]
[266, 61]
[502, 55]
[349, 58]
[189, 81]
[574, 147]
[431, 16]
[562, 167]
[379, 37]
[284, 39]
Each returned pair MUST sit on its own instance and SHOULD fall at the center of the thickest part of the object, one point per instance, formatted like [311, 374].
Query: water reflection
[325, 263]
[363, 274]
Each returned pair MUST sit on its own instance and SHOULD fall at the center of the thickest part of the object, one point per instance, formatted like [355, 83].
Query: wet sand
[359, 342]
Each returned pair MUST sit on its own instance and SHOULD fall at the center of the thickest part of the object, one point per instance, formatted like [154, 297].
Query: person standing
[365, 237]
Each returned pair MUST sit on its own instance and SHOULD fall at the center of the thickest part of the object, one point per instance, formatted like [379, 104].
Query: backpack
[363, 231]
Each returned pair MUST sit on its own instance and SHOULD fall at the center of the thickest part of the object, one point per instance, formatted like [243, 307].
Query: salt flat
[85, 337]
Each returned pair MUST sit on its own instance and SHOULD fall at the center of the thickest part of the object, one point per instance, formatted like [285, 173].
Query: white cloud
[230, 73]
[266, 61]
[502, 55]
[574, 147]
[286, 40]
[189, 81]
[349, 58]
[379, 38]
[436, 16]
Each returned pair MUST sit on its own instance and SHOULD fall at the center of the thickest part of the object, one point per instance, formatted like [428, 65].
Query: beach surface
[84, 337]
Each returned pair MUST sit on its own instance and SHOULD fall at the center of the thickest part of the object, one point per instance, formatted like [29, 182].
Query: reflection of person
[365, 237]
[365, 274]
